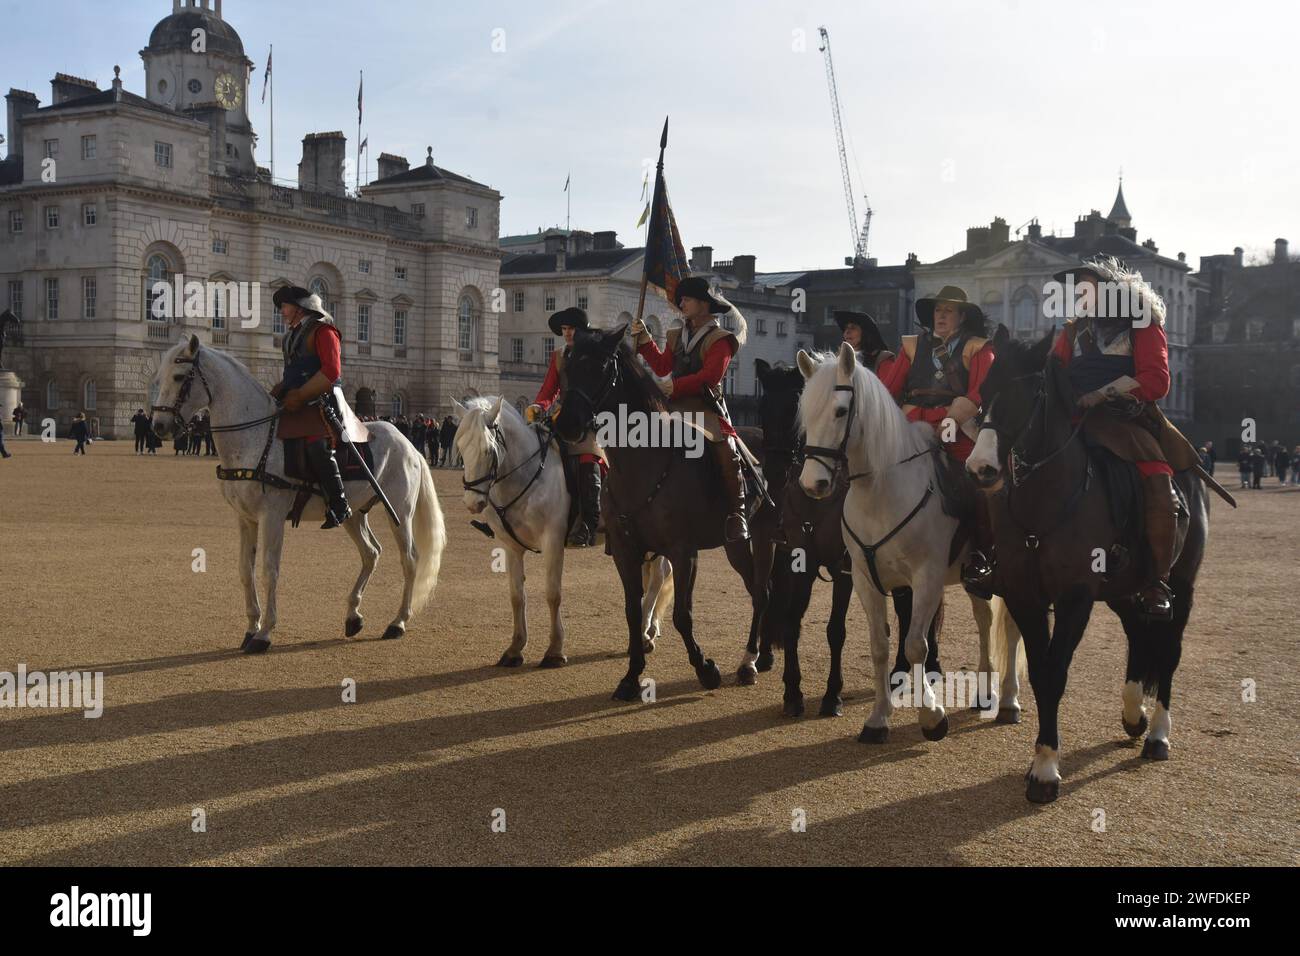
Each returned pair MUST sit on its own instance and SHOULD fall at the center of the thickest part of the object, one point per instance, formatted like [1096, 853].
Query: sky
[954, 112]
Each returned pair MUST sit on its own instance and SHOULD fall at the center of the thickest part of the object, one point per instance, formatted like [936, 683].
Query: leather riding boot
[323, 462]
[977, 573]
[584, 535]
[1162, 537]
[733, 486]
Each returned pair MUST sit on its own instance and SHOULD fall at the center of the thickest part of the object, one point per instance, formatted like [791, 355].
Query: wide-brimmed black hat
[872, 340]
[697, 287]
[973, 318]
[1080, 270]
[307, 301]
[571, 316]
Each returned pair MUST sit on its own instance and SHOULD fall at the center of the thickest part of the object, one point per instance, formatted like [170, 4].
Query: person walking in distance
[80, 433]
[1243, 465]
[19, 417]
[140, 421]
[3, 451]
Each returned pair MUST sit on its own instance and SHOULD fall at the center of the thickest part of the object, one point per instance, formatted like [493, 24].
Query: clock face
[195, 86]
[227, 91]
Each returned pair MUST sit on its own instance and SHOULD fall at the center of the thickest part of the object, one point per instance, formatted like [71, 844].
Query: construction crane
[859, 238]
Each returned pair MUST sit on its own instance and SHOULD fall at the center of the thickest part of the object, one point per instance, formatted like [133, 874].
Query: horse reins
[492, 478]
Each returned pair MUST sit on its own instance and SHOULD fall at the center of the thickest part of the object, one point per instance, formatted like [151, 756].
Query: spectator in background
[1281, 462]
[1258, 465]
[152, 442]
[447, 437]
[1295, 465]
[196, 435]
[418, 433]
[181, 443]
[1213, 455]
[3, 452]
[141, 422]
[1243, 465]
[209, 446]
[1206, 461]
[19, 417]
[1270, 453]
[81, 433]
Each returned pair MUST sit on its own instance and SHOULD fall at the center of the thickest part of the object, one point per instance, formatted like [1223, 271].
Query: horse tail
[430, 535]
[1003, 636]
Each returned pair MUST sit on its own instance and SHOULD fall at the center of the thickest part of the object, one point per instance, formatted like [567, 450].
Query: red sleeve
[884, 366]
[550, 389]
[328, 351]
[979, 369]
[661, 363]
[716, 360]
[1061, 347]
[1150, 363]
[895, 375]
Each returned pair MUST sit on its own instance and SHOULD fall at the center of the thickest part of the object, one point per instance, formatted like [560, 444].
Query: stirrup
[977, 576]
[736, 520]
[1156, 602]
[333, 518]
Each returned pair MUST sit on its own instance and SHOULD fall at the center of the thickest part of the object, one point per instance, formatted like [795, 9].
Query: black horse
[811, 538]
[656, 499]
[1067, 535]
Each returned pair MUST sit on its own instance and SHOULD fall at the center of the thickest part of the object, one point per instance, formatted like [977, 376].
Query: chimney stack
[1237, 253]
[605, 240]
[1035, 231]
[19, 103]
[743, 269]
[701, 258]
[390, 165]
[321, 169]
[1280, 256]
[65, 87]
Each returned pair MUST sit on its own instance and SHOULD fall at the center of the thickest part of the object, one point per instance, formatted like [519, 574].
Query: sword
[332, 417]
[1217, 488]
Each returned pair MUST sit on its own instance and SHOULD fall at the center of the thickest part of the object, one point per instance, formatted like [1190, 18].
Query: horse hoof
[764, 662]
[550, 662]
[247, 637]
[1042, 791]
[1135, 730]
[1010, 715]
[510, 660]
[746, 675]
[1155, 750]
[793, 707]
[647, 645]
[831, 707]
[873, 735]
[393, 632]
[938, 731]
[352, 626]
[627, 690]
[709, 675]
[256, 645]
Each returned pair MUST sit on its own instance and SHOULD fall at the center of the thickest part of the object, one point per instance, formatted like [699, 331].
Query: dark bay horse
[811, 539]
[1060, 546]
[657, 500]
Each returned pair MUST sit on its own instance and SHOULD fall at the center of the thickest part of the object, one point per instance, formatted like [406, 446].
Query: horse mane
[639, 377]
[483, 404]
[886, 434]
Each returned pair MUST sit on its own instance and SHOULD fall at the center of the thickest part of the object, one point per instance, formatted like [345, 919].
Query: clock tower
[195, 64]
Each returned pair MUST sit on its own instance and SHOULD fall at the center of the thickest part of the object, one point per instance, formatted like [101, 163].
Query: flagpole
[568, 202]
[659, 176]
[360, 89]
[270, 59]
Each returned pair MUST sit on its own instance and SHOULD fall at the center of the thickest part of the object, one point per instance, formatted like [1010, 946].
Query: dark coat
[141, 422]
[79, 431]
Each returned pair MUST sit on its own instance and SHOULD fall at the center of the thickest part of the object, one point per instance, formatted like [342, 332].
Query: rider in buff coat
[697, 357]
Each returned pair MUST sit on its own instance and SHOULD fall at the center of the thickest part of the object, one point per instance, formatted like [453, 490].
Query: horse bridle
[186, 384]
[839, 456]
[594, 404]
[491, 479]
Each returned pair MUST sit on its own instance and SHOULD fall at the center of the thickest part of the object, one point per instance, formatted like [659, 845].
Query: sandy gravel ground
[95, 565]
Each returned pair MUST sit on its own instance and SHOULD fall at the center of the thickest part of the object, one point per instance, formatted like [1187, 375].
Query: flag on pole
[360, 89]
[266, 77]
[665, 258]
[365, 143]
[566, 182]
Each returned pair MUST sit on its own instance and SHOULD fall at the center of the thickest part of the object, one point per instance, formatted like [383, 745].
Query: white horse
[514, 478]
[242, 413]
[894, 507]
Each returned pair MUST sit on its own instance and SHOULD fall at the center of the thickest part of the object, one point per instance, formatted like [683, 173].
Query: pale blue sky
[957, 111]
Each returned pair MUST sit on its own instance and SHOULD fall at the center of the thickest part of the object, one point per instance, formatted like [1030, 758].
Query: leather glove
[1092, 399]
[665, 385]
[533, 412]
[640, 335]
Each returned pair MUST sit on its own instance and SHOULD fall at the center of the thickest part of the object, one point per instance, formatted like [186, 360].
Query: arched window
[321, 288]
[465, 325]
[277, 320]
[157, 269]
[154, 390]
[398, 404]
[90, 395]
[1025, 315]
[52, 396]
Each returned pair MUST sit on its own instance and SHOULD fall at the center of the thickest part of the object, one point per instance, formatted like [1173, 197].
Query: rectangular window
[399, 273]
[519, 300]
[465, 338]
[516, 350]
[281, 254]
[89, 293]
[582, 299]
[51, 298]
[89, 215]
[1254, 330]
[277, 322]
[471, 218]
[363, 324]
[219, 246]
[162, 155]
[16, 297]
[88, 147]
[549, 302]
[399, 327]
[15, 221]
[218, 315]
[548, 349]
[829, 316]
[363, 266]
[51, 148]
[51, 217]
[780, 328]
[417, 210]
[762, 326]
[1219, 332]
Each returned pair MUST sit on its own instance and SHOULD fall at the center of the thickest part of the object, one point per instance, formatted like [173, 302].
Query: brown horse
[657, 500]
[1063, 544]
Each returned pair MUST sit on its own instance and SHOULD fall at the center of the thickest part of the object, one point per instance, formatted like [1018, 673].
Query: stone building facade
[106, 193]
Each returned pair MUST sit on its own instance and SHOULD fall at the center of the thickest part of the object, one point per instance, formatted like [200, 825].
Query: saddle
[297, 468]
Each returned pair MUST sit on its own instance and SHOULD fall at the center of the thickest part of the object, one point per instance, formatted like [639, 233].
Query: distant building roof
[107, 98]
[601, 260]
[426, 173]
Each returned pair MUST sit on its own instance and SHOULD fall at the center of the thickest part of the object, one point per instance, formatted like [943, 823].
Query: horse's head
[174, 380]
[826, 412]
[778, 408]
[1012, 398]
[478, 439]
[591, 371]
